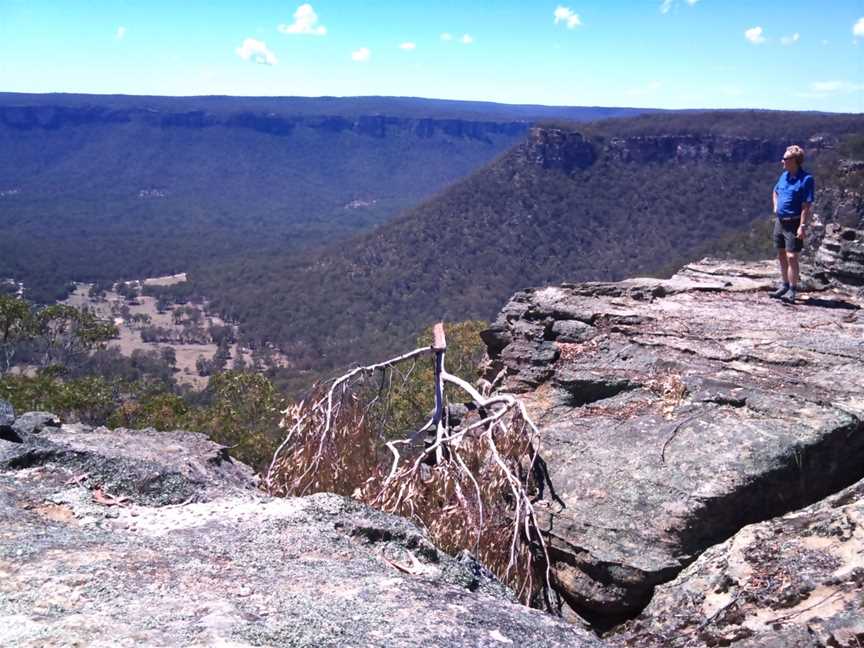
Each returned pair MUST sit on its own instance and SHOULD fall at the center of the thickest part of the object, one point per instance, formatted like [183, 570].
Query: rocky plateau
[676, 412]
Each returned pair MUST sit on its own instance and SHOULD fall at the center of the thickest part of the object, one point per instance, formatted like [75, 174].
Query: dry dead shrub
[471, 486]
[475, 499]
[670, 388]
[336, 461]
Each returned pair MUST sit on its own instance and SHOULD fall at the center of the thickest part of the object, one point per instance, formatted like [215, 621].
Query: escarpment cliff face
[50, 118]
[553, 148]
[567, 150]
[675, 412]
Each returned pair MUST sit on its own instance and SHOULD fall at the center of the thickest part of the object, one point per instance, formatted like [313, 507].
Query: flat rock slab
[145, 466]
[239, 571]
[692, 407]
[792, 582]
[35, 422]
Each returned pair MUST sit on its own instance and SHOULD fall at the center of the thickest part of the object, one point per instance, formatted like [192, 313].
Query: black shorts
[786, 235]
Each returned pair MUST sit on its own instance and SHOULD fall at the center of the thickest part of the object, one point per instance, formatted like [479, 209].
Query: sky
[774, 54]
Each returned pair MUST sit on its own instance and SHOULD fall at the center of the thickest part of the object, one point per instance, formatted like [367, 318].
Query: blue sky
[781, 54]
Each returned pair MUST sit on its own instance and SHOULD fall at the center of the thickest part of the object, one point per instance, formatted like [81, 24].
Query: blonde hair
[797, 152]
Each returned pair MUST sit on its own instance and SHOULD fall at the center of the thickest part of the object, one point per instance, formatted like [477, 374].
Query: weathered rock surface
[675, 412]
[796, 581]
[7, 419]
[841, 255]
[146, 466]
[81, 565]
[35, 422]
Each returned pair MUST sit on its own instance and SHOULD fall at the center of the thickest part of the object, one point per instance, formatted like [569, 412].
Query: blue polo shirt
[792, 192]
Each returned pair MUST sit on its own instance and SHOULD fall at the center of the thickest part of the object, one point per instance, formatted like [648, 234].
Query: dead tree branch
[472, 485]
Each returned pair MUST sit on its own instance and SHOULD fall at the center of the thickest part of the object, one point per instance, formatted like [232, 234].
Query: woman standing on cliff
[793, 204]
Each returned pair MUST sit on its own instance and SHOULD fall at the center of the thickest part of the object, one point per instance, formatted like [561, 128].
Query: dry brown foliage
[315, 461]
[670, 388]
[471, 486]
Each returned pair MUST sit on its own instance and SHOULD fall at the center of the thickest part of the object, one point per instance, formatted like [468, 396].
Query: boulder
[88, 558]
[145, 466]
[7, 414]
[689, 408]
[7, 419]
[841, 255]
[795, 581]
[35, 422]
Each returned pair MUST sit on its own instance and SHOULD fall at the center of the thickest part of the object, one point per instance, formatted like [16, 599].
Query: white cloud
[446, 36]
[835, 87]
[754, 35]
[121, 33]
[790, 40]
[826, 89]
[361, 55]
[826, 86]
[858, 28]
[566, 16]
[305, 22]
[666, 5]
[649, 88]
[467, 39]
[255, 50]
[408, 46]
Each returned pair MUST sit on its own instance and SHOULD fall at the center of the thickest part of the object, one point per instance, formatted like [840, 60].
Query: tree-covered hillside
[622, 201]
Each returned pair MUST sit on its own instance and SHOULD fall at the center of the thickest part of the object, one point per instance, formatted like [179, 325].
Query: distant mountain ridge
[412, 107]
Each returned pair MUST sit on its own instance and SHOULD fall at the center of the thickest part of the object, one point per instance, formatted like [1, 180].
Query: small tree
[245, 414]
[16, 327]
[64, 334]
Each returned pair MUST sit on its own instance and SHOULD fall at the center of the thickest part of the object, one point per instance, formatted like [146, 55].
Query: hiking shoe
[777, 294]
[789, 297]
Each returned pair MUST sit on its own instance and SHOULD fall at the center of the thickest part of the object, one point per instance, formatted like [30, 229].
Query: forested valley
[104, 188]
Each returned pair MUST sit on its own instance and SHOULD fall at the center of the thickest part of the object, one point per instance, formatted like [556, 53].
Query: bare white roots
[491, 459]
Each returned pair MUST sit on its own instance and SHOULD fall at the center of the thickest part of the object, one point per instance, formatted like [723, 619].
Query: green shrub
[89, 400]
[409, 397]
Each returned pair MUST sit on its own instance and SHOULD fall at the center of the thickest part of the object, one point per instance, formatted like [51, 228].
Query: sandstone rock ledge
[675, 412]
[792, 582]
[144, 538]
